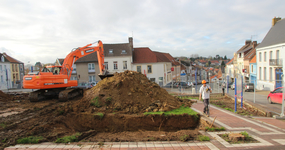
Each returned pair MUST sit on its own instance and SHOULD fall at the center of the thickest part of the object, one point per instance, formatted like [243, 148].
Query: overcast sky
[38, 30]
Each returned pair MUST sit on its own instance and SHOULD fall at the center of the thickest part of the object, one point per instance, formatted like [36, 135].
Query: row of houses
[159, 67]
[11, 72]
[261, 63]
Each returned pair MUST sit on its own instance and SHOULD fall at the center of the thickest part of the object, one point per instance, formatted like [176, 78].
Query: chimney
[247, 42]
[131, 43]
[274, 20]
[254, 43]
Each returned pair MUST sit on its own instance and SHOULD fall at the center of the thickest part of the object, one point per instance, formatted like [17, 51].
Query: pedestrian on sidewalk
[223, 88]
[205, 91]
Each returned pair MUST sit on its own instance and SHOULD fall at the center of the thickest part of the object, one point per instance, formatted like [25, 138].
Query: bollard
[193, 90]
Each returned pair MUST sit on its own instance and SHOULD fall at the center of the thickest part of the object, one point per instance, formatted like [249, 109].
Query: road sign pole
[282, 109]
[254, 90]
[235, 94]
[241, 96]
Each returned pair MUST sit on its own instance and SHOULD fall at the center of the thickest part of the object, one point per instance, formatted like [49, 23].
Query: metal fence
[241, 89]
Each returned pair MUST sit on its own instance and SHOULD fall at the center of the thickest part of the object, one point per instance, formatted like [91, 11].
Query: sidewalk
[268, 131]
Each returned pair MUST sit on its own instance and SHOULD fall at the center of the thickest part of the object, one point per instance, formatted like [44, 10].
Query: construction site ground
[111, 115]
[112, 111]
[269, 132]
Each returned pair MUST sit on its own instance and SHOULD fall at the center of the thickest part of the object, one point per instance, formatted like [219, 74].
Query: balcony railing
[275, 62]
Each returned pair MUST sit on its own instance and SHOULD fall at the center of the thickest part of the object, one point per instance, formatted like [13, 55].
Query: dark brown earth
[122, 100]
[227, 102]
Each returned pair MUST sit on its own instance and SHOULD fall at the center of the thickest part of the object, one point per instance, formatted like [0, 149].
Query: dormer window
[124, 52]
[110, 51]
[2, 59]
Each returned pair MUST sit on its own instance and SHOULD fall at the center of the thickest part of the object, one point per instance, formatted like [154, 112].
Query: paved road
[261, 100]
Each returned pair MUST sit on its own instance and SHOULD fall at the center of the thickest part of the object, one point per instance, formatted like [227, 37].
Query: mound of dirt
[128, 92]
[4, 97]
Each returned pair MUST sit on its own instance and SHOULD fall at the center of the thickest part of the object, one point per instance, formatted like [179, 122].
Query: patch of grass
[203, 138]
[151, 139]
[101, 144]
[99, 114]
[67, 139]
[184, 138]
[61, 112]
[229, 109]
[3, 125]
[36, 108]
[4, 140]
[95, 102]
[178, 111]
[215, 129]
[187, 97]
[30, 140]
[246, 136]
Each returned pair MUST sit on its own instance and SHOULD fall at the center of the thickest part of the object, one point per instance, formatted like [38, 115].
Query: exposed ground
[110, 111]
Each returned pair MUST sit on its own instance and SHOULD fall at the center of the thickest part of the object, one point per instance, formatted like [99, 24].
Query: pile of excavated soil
[128, 92]
[4, 97]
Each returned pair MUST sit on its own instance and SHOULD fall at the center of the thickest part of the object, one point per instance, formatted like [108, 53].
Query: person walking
[205, 91]
[223, 88]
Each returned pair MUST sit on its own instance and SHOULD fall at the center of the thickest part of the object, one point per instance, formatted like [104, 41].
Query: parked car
[233, 86]
[230, 84]
[169, 85]
[84, 85]
[275, 96]
[249, 87]
[181, 84]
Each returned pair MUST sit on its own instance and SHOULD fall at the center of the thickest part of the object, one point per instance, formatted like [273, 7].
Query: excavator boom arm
[81, 52]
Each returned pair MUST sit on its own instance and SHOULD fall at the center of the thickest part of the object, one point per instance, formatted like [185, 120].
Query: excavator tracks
[62, 94]
[69, 94]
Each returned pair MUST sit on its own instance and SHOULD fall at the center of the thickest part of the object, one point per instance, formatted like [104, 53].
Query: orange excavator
[54, 81]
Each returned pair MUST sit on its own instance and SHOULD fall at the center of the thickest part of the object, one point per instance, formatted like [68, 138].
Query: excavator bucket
[103, 76]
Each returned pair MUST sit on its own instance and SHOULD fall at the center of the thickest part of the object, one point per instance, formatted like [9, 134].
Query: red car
[275, 96]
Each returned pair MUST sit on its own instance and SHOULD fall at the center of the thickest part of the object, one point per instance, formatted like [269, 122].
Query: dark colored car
[184, 85]
[275, 96]
[248, 87]
[84, 85]
[169, 85]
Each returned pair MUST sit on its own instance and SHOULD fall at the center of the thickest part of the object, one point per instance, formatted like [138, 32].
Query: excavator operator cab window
[46, 69]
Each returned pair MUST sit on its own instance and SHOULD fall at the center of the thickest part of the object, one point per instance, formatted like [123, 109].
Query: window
[270, 74]
[92, 79]
[152, 79]
[110, 51]
[251, 68]
[2, 78]
[270, 55]
[0, 67]
[17, 76]
[277, 54]
[13, 68]
[124, 52]
[106, 65]
[259, 56]
[139, 69]
[5, 67]
[2, 59]
[115, 65]
[91, 67]
[264, 70]
[74, 68]
[264, 56]
[149, 68]
[125, 65]
[259, 73]
[73, 78]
